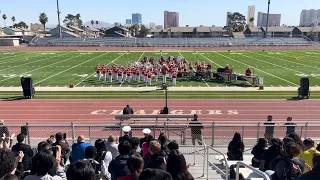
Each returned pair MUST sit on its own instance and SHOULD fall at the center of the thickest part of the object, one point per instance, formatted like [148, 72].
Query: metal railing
[225, 159]
[264, 175]
[205, 155]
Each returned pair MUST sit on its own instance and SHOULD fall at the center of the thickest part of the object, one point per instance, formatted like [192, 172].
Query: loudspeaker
[304, 86]
[27, 86]
[24, 130]
[165, 110]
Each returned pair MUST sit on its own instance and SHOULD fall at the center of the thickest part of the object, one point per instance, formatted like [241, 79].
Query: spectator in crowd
[146, 133]
[43, 162]
[155, 174]
[289, 166]
[258, 151]
[177, 166]
[274, 151]
[296, 139]
[79, 148]
[315, 172]
[9, 177]
[26, 149]
[269, 129]
[3, 129]
[135, 164]
[127, 110]
[236, 148]
[51, 139]
[104, 157]
[65, 148]
[81, 170]
[126, 130]
[43, 145]
[112, 146]
[291, 126]
[134, 144]
[145, 145]
[117, 167]
[173, 145]
[164, 143]
[196, 127]
[9, 164]
[309, 151]
[157, 156]
[90, 155]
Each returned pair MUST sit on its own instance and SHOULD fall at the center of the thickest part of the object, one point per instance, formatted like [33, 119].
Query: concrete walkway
[154, 88]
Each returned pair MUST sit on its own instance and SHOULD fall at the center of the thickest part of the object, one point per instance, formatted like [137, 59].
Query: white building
[308, 17]
[152, 25]
[251, 14]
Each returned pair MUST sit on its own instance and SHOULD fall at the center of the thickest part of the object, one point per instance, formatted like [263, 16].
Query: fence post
[242, 134]
[90, 134]
[306, 131]
[212, 136]
[258, 131]
[73, 132]
[184, 136]
[28, 134]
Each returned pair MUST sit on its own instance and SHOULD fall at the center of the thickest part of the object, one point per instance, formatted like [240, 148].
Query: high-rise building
[251, 14]
[274, 19]
[308, 17]
[159, 27]
[228, 18]
[128, 21]
[152, 25]
[136, 18]
[171, 19]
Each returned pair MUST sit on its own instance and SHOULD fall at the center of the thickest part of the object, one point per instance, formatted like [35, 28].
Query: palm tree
[97, 23]
[43, 18]
[13, 19]
[92, 23]
[4, 17]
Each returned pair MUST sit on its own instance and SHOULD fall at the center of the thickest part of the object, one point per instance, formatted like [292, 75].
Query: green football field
[60, 68]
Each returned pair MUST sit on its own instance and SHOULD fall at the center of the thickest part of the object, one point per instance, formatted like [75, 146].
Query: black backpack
[287, 171]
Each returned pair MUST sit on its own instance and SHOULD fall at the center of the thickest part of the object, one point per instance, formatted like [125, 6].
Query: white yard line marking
[294, 56]
[44, 67]
[12, 67]
[69, 69]
[7, 60]
[210, 60]
[258, 69]
[95, 73]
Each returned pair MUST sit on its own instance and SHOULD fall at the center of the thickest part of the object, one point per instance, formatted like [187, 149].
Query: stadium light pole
[58, 11]
[266, 35]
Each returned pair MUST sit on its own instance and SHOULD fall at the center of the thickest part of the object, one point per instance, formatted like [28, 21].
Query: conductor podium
[304, 91]
[27, 87]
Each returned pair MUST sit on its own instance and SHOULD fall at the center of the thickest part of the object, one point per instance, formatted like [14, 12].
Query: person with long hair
[258, 151]
[236, 148]
[177, 166]
[104, 157]
[135, 164]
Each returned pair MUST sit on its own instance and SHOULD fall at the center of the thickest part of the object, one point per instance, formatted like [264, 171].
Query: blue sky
[192, 12]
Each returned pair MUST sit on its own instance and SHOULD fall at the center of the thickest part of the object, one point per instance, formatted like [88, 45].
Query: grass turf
[60, 68]
[160, 95]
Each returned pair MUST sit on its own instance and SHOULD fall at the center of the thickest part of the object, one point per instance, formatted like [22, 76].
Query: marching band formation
[150, 68]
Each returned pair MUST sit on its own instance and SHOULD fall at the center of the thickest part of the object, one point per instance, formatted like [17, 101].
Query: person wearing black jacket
[157, 156]
[9, 164]
[118, 167]
[127, 110]
[3, 129]
[235, 148]
[65, 148]
[27, 151]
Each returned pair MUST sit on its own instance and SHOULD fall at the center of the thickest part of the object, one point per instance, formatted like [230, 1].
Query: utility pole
[266, 35]
[58, 11]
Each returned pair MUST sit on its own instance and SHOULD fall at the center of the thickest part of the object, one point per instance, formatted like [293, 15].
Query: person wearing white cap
[146, 133]
[126, 130]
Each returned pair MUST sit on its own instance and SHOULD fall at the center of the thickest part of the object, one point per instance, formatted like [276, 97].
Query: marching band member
[174, 78]
[149, 74]
[129, 76]
[209, 70]
[119, 75]
[125, 74]
[227, 69]
[98, 70]
[110, 76]
[156, 72]
[164, 74]
[134, 74]
[138, 75]
[104, 72]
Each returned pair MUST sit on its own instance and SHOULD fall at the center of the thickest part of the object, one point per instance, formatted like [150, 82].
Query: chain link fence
[212, 134]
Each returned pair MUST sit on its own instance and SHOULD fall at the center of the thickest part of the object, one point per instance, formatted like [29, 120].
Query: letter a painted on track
[215, 112]
[99, 112]
[233, 112]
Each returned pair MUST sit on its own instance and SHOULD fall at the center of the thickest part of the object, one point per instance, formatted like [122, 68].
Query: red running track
[101, 112]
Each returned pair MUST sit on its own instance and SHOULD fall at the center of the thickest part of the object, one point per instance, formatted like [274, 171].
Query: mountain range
[101, 24]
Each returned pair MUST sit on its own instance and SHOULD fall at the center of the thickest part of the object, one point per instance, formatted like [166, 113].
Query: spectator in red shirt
[227, 69]
[135, 165]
